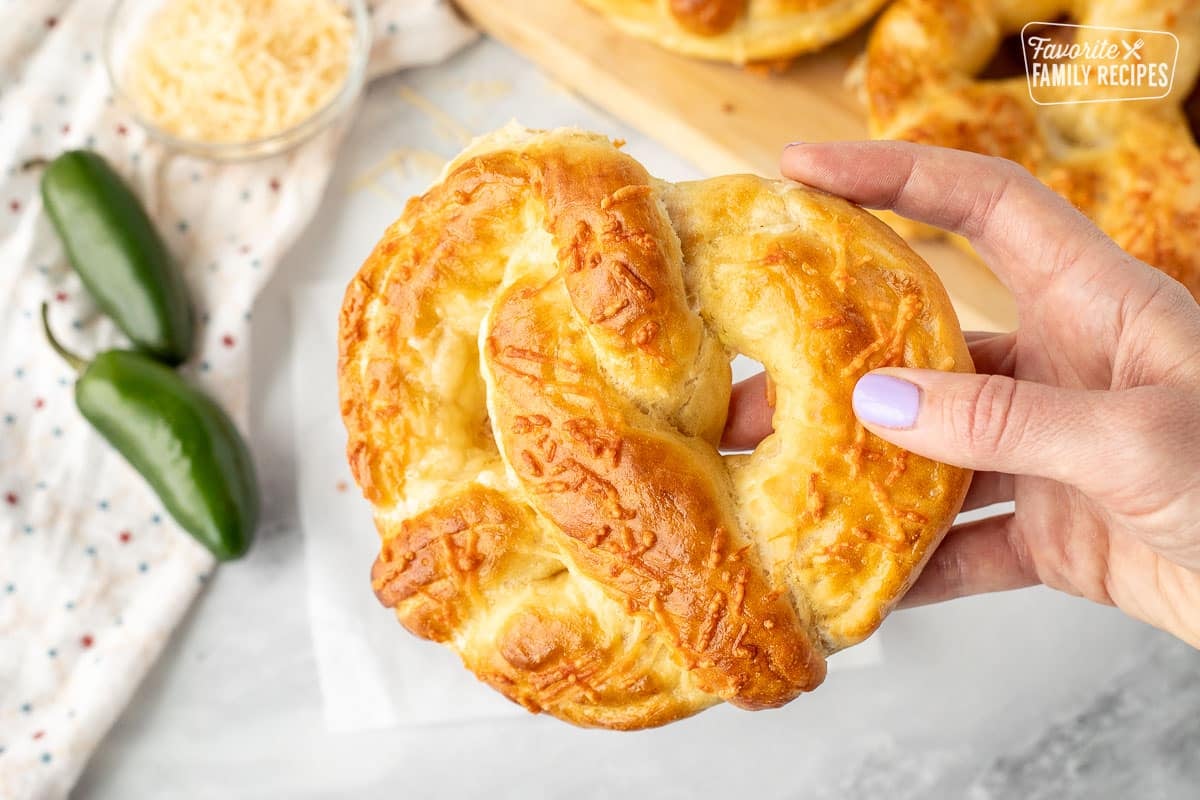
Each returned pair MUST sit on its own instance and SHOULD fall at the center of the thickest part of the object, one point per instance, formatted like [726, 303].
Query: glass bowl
[123, 29]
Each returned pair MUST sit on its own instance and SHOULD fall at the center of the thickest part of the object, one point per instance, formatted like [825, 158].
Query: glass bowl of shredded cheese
[236, 79]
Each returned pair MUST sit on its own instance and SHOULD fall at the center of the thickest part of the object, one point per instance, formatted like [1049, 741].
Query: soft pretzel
[739, 30]
[534, 374]
[1133, 167]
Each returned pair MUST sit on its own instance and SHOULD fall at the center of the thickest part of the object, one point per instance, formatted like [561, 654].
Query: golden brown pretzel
[1133, 167]
[534, 372]
[739, 30]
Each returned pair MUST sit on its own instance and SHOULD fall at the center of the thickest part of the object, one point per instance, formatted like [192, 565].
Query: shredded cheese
[405, 162]
[238, 70]
[445, 125]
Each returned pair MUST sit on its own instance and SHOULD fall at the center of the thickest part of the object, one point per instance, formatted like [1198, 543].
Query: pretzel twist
[534, 369]
[739, 30]
[1133, 167]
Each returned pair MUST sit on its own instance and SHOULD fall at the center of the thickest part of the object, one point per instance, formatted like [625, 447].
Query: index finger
[1026, 232]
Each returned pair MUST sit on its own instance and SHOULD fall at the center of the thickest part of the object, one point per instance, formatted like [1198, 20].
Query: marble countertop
[1025, 694]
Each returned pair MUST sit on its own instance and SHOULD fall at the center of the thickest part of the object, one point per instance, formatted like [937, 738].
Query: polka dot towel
[93, 574]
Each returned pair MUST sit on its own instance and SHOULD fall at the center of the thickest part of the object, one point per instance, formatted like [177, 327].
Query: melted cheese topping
[238, 70]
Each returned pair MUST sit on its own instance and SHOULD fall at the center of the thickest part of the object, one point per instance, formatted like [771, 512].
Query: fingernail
[792, 144]
[886, 401]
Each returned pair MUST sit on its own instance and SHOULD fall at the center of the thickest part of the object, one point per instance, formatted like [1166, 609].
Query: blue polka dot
[61, 100]
[28, 530]
[90, 141]
[77, 324]
[256, 263]
[90, 551]
[195, 177]
[1, 751]
[27, 314]
[119, 621]
[393, 29]
[42, 268]
[182, 226]
[246, 316]
[52, 653]
[63, 381]
[36, 130]
[205, 366]
[205, 317]
[202, 577]
[70, 605]
[102, 505]
[143, 567]
[9, 419]
[156, 518]
[9, 588]
[213, 267]
[246, 196]
[135, 157]
[26, 708]
[45, 758]
[19, 372]
[40, 485]
[88, 56]
[56, 432]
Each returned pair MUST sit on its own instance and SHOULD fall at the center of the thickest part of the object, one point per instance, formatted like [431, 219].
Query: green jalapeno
[177, 438]
[118, 254]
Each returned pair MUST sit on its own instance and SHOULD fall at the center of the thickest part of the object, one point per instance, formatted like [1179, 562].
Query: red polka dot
[14, 206]
[122, 130]
[86, 641]
[342, 486]
[125, 536]
[66, 129]
[228, 340]
[11, 498]
[274, 184]
[39, 403]
[51, 22]
[244, 249]
[39, 735]
[61, 297]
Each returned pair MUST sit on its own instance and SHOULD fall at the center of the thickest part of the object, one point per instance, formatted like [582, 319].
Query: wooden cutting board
[721, 117]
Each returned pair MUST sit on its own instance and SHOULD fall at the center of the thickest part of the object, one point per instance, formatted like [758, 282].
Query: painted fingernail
[886, 401]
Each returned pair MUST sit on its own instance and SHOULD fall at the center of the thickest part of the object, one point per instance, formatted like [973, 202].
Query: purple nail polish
[886, 401]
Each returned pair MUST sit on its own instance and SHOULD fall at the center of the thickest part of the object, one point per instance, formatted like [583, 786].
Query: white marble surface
[970, 698]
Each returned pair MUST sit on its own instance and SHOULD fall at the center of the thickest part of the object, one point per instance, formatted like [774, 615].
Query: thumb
[989, 423]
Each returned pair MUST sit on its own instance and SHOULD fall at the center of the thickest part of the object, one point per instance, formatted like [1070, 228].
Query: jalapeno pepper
[177, 438]
[118, 254]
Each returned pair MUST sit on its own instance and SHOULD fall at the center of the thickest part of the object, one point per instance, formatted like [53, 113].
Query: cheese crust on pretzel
[534, 376]
[1133, 166]
[739, 30]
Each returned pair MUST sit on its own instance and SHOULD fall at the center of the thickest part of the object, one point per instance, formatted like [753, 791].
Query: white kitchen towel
[93, 574]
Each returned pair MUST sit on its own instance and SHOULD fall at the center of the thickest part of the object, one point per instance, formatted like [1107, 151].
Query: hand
[1088, 416]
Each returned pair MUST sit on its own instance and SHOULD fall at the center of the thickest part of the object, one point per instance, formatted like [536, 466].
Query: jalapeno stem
[76, 363]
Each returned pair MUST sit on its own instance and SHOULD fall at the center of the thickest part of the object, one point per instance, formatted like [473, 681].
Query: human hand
[1088, 416]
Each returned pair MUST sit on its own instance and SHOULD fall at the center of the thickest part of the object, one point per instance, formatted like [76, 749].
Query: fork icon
[1133, 50]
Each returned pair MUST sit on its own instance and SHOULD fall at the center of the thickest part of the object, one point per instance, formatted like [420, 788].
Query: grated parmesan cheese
[238, 70]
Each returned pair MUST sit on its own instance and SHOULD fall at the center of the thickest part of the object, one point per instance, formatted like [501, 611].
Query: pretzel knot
[1133, 166]
[739, 30]
[535, 375]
